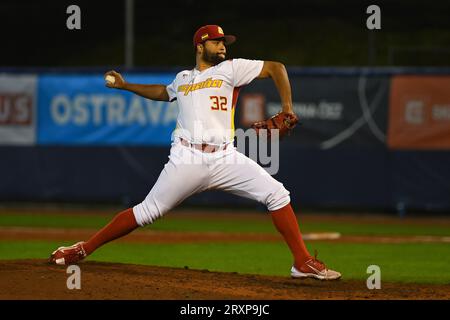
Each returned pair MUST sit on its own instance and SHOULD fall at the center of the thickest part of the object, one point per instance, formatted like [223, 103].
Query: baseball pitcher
[203, 156]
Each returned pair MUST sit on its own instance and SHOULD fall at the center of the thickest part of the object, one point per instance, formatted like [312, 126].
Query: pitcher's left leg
[286, 223]
[242, 176]
[304, 266]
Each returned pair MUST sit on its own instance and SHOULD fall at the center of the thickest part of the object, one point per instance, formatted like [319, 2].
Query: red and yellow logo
[208, 83]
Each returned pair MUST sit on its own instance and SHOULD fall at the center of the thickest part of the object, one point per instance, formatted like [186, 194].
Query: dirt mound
[35, 279]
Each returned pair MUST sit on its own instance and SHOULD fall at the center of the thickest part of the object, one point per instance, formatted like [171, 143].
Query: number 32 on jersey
[219, 103]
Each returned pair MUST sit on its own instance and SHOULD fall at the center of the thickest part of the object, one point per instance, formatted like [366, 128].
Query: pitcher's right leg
[183, 176]
[122, 224]
[180, 178]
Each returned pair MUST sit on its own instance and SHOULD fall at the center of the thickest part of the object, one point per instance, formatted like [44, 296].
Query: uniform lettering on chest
[208, 83]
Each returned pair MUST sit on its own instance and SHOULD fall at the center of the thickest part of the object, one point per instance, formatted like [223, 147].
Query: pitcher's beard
[213, 58]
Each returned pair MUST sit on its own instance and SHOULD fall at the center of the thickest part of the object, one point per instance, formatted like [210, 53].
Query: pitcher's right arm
[150, 91]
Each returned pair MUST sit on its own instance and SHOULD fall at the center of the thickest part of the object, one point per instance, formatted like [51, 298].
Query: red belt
[204, 147]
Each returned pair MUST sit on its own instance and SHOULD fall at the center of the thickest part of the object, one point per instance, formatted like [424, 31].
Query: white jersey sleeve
[172, 90]
[244, 71]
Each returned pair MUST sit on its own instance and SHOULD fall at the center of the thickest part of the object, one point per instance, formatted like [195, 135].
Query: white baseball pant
[190, 171]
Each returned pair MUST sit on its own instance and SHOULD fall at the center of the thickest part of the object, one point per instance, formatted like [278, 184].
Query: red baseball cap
[210, 32]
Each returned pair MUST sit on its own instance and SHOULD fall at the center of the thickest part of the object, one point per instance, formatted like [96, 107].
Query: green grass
[53, 220]
[419, 263]
[171, 223]
[408, 262]
[348, 228]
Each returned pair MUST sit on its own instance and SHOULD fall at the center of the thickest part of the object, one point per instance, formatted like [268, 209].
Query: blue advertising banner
[334, 112]
[80, 110]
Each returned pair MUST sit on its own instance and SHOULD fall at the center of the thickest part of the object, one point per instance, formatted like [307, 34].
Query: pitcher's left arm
[277, 71]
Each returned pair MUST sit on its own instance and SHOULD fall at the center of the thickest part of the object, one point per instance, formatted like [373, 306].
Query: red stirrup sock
[286, 223]
[122, 224]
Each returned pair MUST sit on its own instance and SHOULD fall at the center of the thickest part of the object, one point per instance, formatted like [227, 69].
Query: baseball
[110, 79]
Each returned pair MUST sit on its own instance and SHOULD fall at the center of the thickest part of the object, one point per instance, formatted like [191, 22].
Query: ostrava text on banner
[80, 110]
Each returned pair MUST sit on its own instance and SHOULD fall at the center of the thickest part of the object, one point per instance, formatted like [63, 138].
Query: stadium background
[342, 155]
[374, 104]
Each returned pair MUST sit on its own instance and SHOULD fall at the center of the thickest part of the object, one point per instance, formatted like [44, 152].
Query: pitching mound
[35, 279]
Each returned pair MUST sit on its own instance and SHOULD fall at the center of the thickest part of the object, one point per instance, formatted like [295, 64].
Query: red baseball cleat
[68, 255]
[315, 269]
